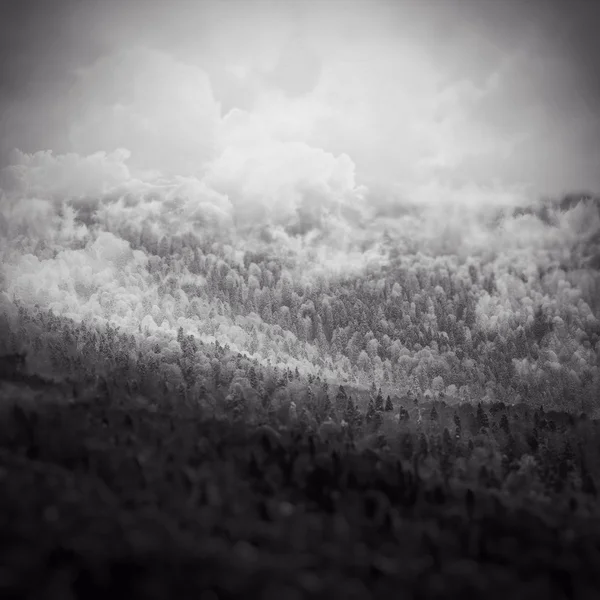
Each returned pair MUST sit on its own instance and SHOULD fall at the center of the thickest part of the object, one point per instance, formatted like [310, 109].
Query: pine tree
[253, 378]
[447, 439]
[504, 425]
[457, 424]
[325, 408]
[348, 411]
[389, 407]
[341, 400]
[482, 417]
[351, 414]
[379, 401]
[370, 411]
[433, 415]
[414, 388]
[310, 399]
[264, 397]
[357, 416]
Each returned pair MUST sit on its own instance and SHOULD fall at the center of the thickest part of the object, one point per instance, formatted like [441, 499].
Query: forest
[299, 300]
[426, 416]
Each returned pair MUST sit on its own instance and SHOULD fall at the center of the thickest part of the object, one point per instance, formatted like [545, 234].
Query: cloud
[313, 123]
[162, 110]
[108, 248]
[272, 181]
[164, 113]
[70, 175]
[411, 92]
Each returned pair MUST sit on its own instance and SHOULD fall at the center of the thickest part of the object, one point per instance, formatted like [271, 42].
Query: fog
[311, 127]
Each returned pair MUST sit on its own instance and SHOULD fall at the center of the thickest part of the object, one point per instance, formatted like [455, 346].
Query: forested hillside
[295, 301]
[515, 320]
[471, 371]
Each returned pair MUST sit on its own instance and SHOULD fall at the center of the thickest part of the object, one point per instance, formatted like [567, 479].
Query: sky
[423, 98]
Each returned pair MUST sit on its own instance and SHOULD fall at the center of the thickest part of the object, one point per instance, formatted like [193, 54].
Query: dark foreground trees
[98, 499]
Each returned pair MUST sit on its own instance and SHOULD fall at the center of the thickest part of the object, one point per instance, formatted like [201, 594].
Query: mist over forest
[486, 302]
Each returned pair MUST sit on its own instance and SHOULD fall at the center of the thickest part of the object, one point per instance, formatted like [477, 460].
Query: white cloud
[70, 175]
[162, 110]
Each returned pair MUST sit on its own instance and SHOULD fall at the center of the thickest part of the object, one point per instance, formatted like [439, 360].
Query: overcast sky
[447, 93]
